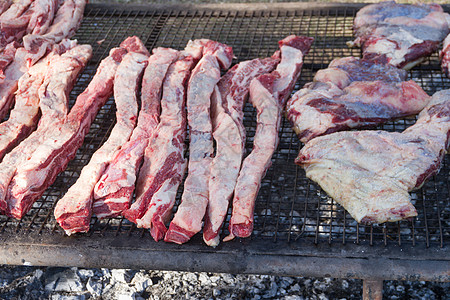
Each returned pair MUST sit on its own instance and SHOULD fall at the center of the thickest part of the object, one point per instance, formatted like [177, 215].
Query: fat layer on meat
[353, 93]
[159, 179]
[65, 23]
[445, 56]
[268, 94]
[53, 102]
[400, 34]
[114, 191]
[80, 194]
[188, 218]
[229, 134]
[371, 172]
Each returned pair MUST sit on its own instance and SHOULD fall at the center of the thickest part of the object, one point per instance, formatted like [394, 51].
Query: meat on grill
[268, 94]
[4, 5]
[161, 175]
[227, 114]
[371, 172]
[8, 86]
[14, 21]
[6, 57]
[80, 194]
[402, 35]
[67, 20]
[71, 133]
[53, 102]
[445, 56]
[24, 16]
[353, 93]
[25, 115]
[188, 218]
[42, 16]
[114, 191]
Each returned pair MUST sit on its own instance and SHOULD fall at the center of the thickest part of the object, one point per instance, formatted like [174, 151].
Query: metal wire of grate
[289, 206]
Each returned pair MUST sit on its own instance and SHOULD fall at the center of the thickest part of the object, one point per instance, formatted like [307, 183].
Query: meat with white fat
[188, 218]
[160, 177]
[53, 103]
[445, 56]
[353, 93]
[268, 94]
[227, 115]
[114, 191]
[80, 194]
[402, 35]
[371, 172]
[65, 23]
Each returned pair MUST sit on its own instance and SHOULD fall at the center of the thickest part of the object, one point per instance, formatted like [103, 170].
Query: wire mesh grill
[289, 207]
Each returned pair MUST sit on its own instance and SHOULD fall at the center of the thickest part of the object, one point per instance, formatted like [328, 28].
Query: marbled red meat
[371, 172]
[401, 34]
[353, 93]
[160, 177]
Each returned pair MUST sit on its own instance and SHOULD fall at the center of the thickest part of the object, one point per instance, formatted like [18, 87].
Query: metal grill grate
[290, 208]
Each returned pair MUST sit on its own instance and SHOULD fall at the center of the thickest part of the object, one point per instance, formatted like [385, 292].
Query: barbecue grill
[298, 230]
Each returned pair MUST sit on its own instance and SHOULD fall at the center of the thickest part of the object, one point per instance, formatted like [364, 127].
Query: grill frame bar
[372, 253]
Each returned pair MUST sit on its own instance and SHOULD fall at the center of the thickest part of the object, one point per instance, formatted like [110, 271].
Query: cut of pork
[445, 56]
[227, 115]
[400, 34]
[66, 21]
[188, 218]
[114, 191]
[70, 135]
[371, 172]
[53, 103]
[268, 94]
[161, 175]
[80, 194]
[353, 93]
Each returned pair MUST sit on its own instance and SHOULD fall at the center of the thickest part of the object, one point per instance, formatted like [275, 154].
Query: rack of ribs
[114, 191]
[227, 115]
[77, 202]
[402, 35]
[66, 22]
[188, 218]
[53, 103]
[268, 94]
[162, 172]
[371, 172]
[353, 93]
[125, 88]
[25, 115]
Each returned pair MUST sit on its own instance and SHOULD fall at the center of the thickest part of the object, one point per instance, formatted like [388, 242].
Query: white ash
[77, 283]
